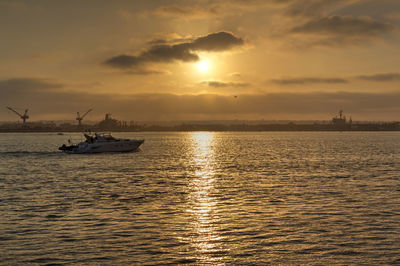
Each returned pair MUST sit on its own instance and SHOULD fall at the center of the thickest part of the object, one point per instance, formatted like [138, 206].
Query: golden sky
[199, 59]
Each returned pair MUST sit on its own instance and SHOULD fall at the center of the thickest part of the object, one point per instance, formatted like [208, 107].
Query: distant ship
[341, 120]
[102, 142]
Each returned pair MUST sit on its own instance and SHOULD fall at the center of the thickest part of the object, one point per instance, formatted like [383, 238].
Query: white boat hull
[109, 146]
[102, 142]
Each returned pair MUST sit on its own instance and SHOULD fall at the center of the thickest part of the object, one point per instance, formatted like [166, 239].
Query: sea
[202, 198]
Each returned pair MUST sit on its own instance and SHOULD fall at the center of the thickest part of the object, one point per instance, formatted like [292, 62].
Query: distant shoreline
[221, 128]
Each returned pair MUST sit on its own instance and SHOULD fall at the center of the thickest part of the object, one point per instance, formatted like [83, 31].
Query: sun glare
[203, 66]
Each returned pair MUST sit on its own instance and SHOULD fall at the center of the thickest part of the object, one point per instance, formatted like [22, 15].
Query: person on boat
[89, 139]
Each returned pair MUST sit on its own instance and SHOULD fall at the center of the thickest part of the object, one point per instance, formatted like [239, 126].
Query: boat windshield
[104, 136]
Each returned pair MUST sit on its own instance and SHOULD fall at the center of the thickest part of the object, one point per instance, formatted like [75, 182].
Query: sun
[203, 66]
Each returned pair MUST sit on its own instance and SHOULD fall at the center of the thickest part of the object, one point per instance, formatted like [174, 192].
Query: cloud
[336, 31]
[381, 77]
[235, 74]
[124, 61]
[146, 71]
[385, 77]
[310, 8]
[22, 91]
[200, 9]
[168, 38]
[15, 84]
[344, 26]
[216, 42]
[187, 11]
[223, 84]
[61, 104]
[308, 80]
[155, 54]
[185, 51]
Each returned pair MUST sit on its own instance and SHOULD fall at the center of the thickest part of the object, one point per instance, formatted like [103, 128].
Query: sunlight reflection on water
[202, 203]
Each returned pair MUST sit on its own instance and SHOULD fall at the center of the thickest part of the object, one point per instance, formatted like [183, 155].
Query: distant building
[109, 123]
[339, 120]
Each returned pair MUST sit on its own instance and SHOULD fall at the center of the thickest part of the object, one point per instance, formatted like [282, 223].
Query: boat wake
[16, 153]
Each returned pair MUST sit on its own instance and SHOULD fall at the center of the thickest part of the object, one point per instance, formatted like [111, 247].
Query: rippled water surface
[203, 198]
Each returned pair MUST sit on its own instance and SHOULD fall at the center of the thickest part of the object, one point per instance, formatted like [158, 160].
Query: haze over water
[203, 198]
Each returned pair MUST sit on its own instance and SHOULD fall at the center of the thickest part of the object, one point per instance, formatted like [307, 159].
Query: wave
[17, 153]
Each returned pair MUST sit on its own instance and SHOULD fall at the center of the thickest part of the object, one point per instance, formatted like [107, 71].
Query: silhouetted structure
[23, 117]
[109, 123]
[339, 120]
[80, 118]
[338, 123]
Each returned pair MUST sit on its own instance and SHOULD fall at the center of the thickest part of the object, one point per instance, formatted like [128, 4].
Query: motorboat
[102, 142]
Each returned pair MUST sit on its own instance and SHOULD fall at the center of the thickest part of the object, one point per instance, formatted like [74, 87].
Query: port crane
[23, 117]
[80, 118]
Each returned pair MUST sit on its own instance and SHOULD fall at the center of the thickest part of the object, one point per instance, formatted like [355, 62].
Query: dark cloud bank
[29, 83]
[344, 26]
[44, 98]
[338, 31]
[185, 51]
[224, 84]
[381, 77]
[308, 80]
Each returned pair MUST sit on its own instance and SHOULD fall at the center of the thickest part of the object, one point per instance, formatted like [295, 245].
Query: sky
[164, 60]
